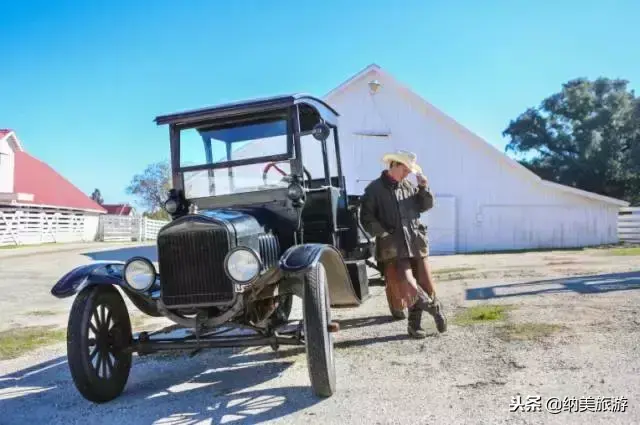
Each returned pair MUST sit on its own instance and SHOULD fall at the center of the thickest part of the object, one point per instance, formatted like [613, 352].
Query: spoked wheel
[99, 328]
[317, 338]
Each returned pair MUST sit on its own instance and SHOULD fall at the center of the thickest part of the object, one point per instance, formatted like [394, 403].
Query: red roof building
[25, 180]
[119, 209]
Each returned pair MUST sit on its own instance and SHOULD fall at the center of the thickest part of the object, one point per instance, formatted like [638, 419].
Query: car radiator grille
[269, 250]
[192, 268]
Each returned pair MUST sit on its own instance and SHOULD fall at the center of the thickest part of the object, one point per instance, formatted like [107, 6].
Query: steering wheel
[273, 165]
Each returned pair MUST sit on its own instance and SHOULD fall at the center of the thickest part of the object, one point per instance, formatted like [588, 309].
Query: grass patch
[455, 273]
[453, 270]
[42, 313]
[15, 342]
[527, 331]
[624, 251]
[561, 262]
[13, 246]
[527, 251]
[481, 314]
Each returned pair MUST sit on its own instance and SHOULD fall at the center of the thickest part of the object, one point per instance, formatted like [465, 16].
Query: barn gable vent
[373, 123]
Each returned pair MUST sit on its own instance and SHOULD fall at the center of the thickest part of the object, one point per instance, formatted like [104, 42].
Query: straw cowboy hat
[407, 158]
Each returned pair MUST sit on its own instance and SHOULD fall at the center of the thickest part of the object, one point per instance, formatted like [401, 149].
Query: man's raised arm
[423, 196]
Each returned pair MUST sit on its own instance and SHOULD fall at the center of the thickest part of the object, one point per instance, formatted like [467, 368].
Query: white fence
[629, 225]
[122, 228]
[20, 225]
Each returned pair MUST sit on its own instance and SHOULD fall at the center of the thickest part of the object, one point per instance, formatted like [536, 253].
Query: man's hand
[422, 180]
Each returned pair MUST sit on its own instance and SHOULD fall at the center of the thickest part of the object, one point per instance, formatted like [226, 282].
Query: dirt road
[543, 328]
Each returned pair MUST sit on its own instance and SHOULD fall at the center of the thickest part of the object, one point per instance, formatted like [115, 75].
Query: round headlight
[295, 192]
[242, 265]
[171, 206]
[139, 273]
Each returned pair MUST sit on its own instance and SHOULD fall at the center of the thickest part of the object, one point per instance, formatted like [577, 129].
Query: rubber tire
[89, 384]
[317, 338]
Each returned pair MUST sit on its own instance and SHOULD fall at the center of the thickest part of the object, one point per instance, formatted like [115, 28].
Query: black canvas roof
[246, 107]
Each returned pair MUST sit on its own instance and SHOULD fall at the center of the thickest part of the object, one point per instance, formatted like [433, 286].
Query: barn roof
[451, 123]
[118, 209]
[47, 187]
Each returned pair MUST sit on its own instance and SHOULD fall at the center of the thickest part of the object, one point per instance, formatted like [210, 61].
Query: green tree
[159, 214]
[585, 136]
[151, 187]
[97, 197]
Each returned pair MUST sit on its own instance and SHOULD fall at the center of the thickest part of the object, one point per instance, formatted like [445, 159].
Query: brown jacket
[394, 208]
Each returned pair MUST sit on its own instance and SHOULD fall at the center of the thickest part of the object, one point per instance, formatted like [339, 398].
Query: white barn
[484, 200]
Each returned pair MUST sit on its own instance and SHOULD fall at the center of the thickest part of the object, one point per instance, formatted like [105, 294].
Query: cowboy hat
[404, 157]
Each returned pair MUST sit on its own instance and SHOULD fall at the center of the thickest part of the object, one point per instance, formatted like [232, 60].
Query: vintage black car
[245, 237]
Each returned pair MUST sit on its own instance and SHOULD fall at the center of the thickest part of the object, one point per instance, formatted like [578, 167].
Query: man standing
[391, 208]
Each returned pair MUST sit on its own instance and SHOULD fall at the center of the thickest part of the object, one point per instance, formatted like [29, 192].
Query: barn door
[367, 160]
[441, 222]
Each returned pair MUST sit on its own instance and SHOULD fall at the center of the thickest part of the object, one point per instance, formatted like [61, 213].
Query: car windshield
[254, 143]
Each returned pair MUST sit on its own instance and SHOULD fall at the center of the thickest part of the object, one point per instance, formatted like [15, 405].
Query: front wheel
[317, 338]
[98, 330]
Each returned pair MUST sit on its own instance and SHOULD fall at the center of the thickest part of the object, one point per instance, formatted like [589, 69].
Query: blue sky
[81, 82]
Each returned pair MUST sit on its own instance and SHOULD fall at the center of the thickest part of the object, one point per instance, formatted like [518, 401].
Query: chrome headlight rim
[255, 256]
[295, 192]
[171, 205]
[153, 274]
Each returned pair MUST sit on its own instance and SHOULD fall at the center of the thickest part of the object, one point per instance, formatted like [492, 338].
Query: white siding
[91, 227]
[497, 205]
[629, 225]
[6, 167]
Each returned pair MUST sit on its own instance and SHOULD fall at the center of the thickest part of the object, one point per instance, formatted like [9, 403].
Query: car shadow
[217, 386]
[360, 322]
[123, 254]
[595, 284]
[209, 388]
[376, 281]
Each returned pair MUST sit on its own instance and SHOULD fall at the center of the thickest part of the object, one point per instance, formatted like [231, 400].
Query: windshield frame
[301, 113]
[242, 198]
[284, 115]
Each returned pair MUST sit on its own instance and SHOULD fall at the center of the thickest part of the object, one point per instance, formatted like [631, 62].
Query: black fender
[300, 258]
[105, 273]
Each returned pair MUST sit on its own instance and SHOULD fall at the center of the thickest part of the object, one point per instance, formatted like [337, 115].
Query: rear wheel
[318, 340]
[99, 328]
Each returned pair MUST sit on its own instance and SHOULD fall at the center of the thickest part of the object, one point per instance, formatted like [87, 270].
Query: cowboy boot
[414, 326]
[436, 310]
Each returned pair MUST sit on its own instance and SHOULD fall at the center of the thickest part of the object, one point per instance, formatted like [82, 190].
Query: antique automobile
[259, 214]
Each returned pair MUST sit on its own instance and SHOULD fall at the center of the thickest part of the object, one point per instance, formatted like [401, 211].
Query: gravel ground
[470, 375]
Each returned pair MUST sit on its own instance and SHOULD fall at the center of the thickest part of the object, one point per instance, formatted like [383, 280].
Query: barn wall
[485, 203]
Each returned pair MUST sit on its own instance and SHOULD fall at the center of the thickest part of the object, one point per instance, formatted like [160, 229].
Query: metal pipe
[325, 163]
[336, 141]
[179, 344]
